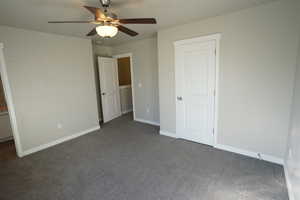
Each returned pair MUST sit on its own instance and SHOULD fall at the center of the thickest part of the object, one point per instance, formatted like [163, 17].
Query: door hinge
[213, 131]
[215, 51]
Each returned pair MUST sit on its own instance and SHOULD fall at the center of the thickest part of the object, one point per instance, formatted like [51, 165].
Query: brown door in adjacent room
[125, 85]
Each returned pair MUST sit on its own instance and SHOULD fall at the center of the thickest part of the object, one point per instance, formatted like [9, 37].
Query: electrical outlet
[147, 110]
[59, 126]
[259, 156]
[290, 153]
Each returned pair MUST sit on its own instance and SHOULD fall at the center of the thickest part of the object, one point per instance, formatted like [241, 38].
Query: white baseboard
[288, 183]
[126, 111]
[61, 140]
[256, 155]
[147, 121]
[260, 156]
[166, 133]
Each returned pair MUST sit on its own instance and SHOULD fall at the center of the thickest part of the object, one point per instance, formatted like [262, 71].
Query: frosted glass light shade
[107, 31]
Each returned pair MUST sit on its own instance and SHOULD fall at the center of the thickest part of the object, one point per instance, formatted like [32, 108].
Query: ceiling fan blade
[127, 30]
[60, 22]
[92, 32]
[96, 11]
[138, 21]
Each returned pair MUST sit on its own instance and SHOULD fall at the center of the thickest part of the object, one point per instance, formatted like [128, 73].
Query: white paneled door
[195, 68]
[109, 85]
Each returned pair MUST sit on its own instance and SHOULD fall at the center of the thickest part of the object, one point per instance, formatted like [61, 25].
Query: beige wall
[145, 72]
[257, 61]
[100, 50]
[52, 82]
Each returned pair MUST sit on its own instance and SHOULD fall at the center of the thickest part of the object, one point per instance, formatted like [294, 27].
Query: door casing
[10, 103]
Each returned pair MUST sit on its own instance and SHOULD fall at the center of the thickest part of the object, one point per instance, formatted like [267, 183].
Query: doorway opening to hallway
[116, 88]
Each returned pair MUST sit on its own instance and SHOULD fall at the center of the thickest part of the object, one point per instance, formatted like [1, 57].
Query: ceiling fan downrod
[105, 3]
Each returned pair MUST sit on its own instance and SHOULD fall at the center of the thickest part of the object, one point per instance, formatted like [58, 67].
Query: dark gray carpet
[128, 160]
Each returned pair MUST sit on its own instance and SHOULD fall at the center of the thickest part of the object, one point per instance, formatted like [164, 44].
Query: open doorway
[7, 146]
[125, 85]
[116, 88]
[10, 145]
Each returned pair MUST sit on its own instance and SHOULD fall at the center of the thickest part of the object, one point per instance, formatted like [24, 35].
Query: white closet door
[195, 88]
[109, 85]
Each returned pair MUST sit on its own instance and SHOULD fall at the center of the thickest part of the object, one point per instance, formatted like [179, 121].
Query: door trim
[132, 78]
[10, 103]
[215, 37]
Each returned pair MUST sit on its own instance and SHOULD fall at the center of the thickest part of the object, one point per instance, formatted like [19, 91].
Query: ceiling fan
[108, 23]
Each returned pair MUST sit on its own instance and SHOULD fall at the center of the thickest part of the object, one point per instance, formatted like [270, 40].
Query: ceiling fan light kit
[107, 31]
[108, 23]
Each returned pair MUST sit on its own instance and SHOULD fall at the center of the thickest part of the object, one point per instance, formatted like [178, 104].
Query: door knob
[179, 98]
[103, 93]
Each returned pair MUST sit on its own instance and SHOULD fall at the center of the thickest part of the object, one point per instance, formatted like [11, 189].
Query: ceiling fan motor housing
[111, 15]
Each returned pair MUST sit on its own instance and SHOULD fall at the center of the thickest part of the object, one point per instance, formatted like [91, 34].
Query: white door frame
[132, 77]
[215, 37]
[9, 102]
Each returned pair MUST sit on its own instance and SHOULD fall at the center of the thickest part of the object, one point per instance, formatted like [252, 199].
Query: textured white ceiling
[34, 14]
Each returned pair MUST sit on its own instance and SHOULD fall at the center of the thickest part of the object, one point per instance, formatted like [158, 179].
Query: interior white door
[109, 85]
[195, 68]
